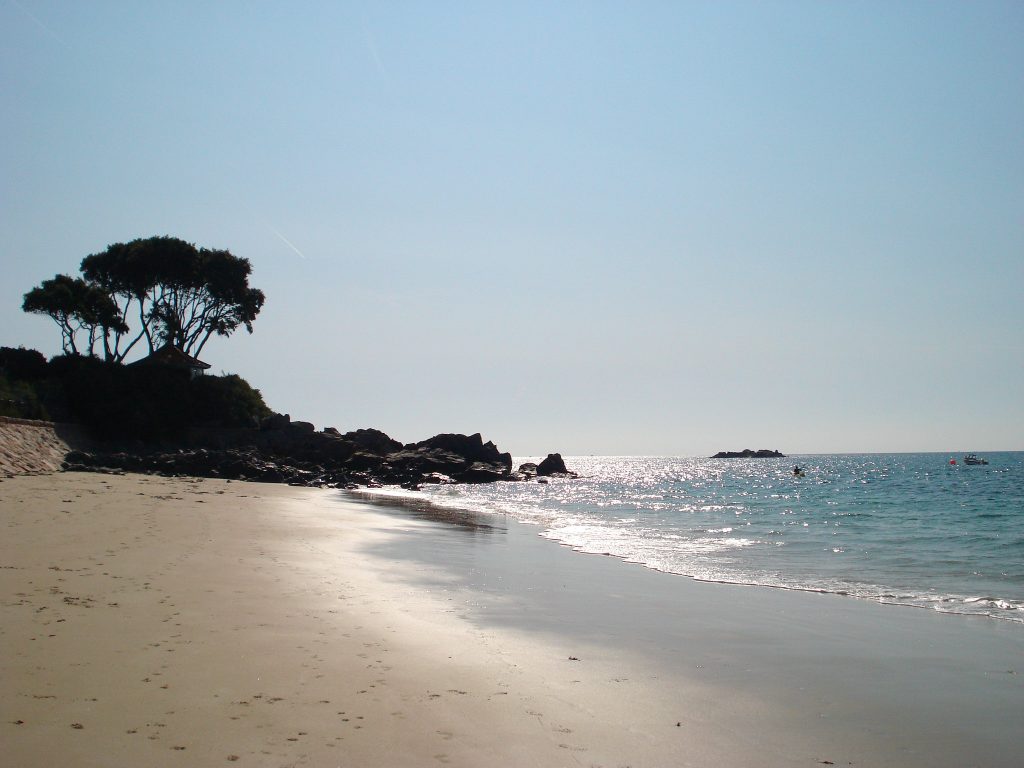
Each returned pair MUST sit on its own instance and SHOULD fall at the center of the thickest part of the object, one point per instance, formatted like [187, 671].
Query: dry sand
[149, 621]
[154, 621]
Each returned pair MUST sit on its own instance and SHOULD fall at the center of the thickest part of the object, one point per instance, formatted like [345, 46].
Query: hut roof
[170, 356]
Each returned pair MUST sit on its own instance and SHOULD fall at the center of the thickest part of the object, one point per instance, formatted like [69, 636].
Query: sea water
[905, 529]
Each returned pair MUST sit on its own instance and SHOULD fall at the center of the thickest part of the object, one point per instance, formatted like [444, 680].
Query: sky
[589, 228]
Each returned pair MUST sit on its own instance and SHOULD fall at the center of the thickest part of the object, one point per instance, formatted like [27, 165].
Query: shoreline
[271, 625]
[823, 669]
[425, 508]
[925, 535]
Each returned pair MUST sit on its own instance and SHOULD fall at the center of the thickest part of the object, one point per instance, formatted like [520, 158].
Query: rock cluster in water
[746, 453]
[283, 451]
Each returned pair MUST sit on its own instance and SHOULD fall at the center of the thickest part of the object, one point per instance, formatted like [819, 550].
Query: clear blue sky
[620, 228]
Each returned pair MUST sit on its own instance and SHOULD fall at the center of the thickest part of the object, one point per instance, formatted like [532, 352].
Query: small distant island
[746, 453]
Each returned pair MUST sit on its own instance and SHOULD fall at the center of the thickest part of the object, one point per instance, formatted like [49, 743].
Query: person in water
[796, 469]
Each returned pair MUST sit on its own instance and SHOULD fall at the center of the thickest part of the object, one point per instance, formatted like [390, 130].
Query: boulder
[362, 461]
[483, 472]
[416, 462]
[464, 458]
[372, 441]
[552, 465]
[470, 447]
[275, 421]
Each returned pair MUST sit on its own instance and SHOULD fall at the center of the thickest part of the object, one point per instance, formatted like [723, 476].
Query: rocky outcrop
[275, 421]
[279, 451]
[229, 464]
[553, 466]
[373, 440]
[746, 453]
[464, 458]
[365, 457]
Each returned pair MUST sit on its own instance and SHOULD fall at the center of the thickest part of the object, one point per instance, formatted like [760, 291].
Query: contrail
[372, 45]
[287, 242]
[39, 23]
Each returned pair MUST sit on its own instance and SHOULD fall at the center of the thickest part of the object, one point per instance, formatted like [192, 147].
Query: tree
[76, 306]
[181, 295]
[178, 294]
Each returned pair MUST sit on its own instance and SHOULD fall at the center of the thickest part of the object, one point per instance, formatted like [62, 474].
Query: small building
[172, 358]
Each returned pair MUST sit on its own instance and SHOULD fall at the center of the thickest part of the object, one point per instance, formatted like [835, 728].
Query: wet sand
[155, 621]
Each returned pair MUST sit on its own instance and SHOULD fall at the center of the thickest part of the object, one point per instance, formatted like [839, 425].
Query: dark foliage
[76, 307]
[115, 402]
[226, 401]
[22, 364]
[18, 398]
[178, 293]
[119, 403]
[158, 289]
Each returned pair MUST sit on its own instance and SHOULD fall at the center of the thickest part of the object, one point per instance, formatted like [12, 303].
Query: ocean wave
[900, 537]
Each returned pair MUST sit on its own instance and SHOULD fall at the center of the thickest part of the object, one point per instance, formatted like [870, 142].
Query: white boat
[972, 458]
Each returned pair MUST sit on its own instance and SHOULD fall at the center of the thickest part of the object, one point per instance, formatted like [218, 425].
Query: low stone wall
[33, 447]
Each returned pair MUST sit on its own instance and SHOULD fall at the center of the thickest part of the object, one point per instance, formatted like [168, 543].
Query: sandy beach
[156, 621]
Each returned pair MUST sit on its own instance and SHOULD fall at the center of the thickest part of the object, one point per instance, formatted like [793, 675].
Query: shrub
[116, 402]
[22, 364]
[20, 400]
[226, 401]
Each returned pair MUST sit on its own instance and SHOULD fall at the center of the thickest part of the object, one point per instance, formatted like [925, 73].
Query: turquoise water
[906, 529]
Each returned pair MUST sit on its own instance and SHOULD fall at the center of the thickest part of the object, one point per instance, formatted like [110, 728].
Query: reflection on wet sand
[421, 509]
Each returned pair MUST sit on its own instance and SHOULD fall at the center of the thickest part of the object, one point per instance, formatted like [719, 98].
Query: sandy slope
[33, 446]
[148, 621]
[153, 621]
